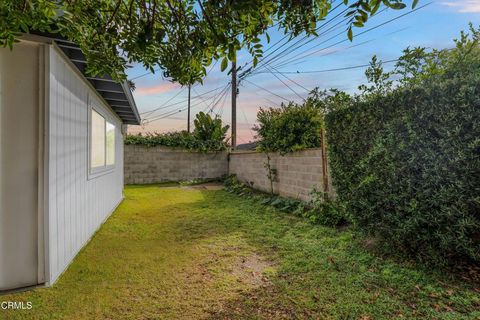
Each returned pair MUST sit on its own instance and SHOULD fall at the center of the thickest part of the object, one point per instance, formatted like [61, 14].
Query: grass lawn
[193, 253]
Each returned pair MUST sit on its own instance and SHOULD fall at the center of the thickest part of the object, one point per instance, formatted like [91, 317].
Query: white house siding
[78, 203]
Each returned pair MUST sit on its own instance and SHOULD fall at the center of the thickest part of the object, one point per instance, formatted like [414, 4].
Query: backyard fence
[293, 175]
[160, 164]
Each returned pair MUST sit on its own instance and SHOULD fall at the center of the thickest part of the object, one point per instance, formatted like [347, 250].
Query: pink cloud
[160, 88]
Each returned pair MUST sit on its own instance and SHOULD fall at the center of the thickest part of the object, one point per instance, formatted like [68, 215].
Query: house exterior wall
[78, 202]
[297, 173]
[159, 164]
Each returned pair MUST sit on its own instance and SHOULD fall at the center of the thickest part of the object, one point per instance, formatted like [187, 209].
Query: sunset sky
[434, 26]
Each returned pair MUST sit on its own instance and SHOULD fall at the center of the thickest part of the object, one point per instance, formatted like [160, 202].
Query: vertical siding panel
[61, 164]
[74, 165]
[52, 218]
[78, 177]
[65, 158]
[73, 224]
[84, 143]
[73, 219]
[68, 157]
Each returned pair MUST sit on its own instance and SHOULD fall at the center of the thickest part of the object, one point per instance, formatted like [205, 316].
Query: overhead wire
[359, 34]
[265, 64]
[262, 88]
[267, 56]
[301, 42]
[184, 101]
[223, 105]
[166, 102]
[285, 84]
[170, 113]
[334, 69]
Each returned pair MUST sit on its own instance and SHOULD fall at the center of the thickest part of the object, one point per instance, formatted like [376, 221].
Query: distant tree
[208, 128]
[181, 36]
[291, 127]
[209, 135]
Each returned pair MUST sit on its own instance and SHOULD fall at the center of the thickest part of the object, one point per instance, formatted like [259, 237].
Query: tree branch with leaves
[183, 37]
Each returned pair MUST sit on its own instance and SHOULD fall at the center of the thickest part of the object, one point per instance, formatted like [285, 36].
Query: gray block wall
[297, 173]
[159, 164]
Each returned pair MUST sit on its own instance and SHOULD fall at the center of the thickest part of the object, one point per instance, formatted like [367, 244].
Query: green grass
[192, 253]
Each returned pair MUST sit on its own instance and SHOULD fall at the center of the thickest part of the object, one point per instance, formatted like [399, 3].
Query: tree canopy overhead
[183, 37]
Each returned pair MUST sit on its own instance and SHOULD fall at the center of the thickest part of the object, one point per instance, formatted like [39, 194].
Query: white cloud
[464, 6]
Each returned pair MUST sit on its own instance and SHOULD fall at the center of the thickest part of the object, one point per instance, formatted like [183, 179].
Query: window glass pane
[98, 140]
[110, 144]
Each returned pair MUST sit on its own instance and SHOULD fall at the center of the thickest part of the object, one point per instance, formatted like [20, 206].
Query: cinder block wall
[160, 164]
[297, 173]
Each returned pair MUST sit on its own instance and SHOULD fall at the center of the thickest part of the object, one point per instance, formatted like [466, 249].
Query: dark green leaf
[224, 64]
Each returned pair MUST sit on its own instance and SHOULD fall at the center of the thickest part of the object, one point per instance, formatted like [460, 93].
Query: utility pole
[188, 117]
[324, 161]
[234, 105]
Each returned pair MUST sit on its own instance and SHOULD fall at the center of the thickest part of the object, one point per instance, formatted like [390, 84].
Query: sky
[163, 104]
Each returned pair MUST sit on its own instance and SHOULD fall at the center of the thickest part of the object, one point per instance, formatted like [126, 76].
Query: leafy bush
[291, 127]
[405, 156]
[208, 135]
[324, 210]
[208, 128]
[233, 185]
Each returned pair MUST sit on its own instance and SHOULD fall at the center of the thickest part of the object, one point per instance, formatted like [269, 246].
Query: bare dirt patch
[250, 270]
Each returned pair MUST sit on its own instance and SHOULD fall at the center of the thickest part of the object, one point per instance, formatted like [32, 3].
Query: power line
[208, 105]
[183, 101]
[282, 64]
[291, 80]
[282, 39]
[161, 107]
[266, 90]
[361, 33]
[223, 105]
[301, 42]
[291, 89]
[202, 98]
[170, 113]
[330, 70]
[217, 99]
[302, 39]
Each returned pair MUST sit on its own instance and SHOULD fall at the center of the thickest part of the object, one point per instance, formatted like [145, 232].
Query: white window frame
[101, 170]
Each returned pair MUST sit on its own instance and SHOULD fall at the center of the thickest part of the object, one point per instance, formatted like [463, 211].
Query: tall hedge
[406, 161]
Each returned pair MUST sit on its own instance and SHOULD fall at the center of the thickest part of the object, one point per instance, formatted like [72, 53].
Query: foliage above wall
[292, 127]
[405, 154]
[208, 135]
